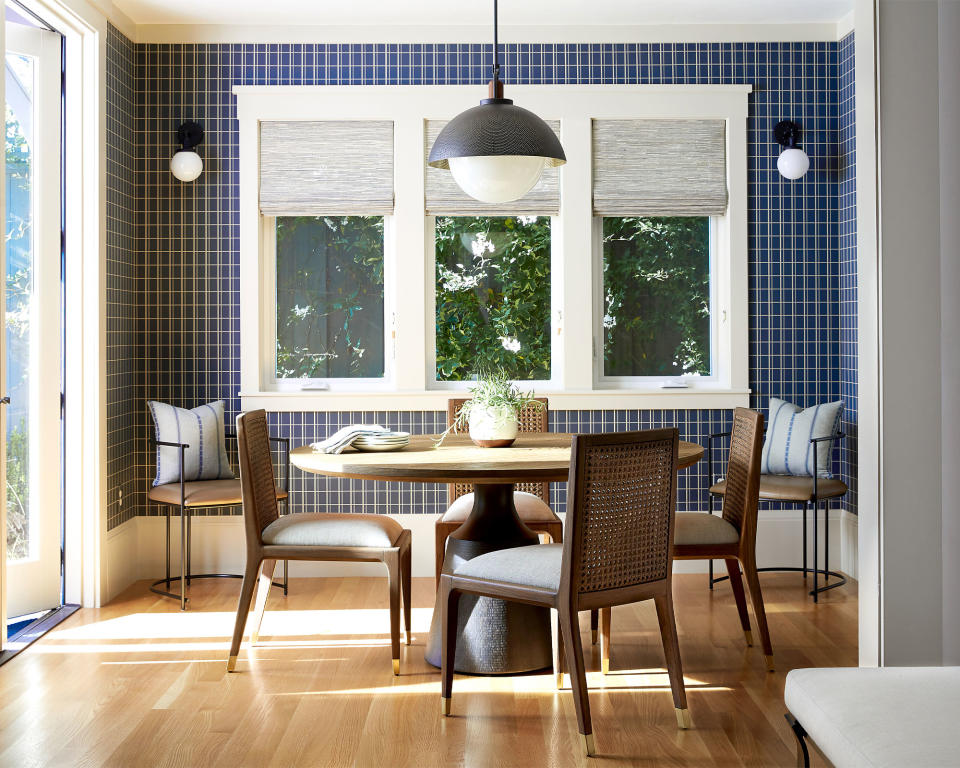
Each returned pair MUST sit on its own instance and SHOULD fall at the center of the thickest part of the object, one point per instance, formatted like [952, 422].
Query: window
[656, 296]
[492, 296]
[330, 313]
[369, 281]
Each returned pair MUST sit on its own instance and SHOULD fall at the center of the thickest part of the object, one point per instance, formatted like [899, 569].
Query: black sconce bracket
[189, 134]
[787, 134]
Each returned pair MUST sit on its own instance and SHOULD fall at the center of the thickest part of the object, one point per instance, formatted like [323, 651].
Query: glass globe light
[186, 165]
[793, 163]
[496, 178]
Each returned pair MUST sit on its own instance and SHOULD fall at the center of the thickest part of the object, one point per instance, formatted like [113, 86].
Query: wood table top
[534, 456]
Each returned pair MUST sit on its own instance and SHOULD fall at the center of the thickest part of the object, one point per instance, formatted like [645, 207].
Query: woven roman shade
[320, 168]
[445, 198]
[659, 167]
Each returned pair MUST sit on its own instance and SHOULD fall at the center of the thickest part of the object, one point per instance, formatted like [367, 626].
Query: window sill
[436, 400]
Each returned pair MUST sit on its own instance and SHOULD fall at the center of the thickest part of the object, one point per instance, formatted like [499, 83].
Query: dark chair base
[840, 578]
[803, 754]
[176, 596]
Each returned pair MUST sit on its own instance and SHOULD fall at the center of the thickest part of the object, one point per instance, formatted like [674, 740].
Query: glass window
[656, 296]
[330, 315]
[493, 297]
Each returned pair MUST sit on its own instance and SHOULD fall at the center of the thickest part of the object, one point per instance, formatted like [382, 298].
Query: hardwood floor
[138, 683]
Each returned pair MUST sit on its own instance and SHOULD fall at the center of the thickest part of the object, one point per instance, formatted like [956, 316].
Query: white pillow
[202, 429]
[787, 449]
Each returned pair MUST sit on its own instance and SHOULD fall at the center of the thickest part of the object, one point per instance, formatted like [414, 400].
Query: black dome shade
[497, 127]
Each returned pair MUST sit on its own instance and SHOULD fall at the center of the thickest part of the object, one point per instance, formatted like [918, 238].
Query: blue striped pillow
[787, 449]
[202, 429]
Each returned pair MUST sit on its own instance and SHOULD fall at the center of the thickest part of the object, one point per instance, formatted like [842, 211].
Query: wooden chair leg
[594, 625]
[736, 584]
[570, 628]
[392, 560]
[671, 652]
[556, 637]
[606, 616]
[243, 608]
[260, 604]
[405, 574]
[756, 597]
[449, 613]
[440, 543]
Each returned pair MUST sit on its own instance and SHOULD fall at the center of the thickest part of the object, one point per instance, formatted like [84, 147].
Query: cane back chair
[355, 537]
[731, 537]
[532, 500]
[616, 550]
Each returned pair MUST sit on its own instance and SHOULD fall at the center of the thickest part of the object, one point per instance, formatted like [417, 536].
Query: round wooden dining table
[495, 637]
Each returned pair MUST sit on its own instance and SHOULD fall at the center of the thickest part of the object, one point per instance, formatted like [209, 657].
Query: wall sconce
[793, 161]
[186, 164]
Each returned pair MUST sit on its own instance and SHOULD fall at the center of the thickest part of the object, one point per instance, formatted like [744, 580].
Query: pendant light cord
[496, 46]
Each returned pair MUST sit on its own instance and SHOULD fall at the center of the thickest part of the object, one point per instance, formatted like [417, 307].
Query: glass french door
[30, 363]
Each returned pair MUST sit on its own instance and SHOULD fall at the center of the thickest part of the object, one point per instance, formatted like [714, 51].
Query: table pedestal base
[494, 637]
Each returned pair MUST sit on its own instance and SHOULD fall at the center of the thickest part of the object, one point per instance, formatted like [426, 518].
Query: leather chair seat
[789, 488]
[702, 528]
[313, 529]
[530, 509]
[202, 493]
[534, 566]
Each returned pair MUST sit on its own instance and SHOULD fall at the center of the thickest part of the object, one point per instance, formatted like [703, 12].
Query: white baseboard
[135, 550]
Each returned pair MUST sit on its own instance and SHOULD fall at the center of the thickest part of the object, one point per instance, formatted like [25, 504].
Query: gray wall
[920, 285]
[949, 86]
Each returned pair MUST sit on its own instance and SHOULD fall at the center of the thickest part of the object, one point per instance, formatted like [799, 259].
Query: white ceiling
[526, 13]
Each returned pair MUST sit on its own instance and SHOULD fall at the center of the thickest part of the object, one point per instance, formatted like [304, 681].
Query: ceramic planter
[494, 426]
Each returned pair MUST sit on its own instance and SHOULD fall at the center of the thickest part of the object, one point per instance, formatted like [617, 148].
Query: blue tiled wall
[189, 238]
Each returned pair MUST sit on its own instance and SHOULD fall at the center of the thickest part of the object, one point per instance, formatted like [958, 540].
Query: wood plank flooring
[138, 683]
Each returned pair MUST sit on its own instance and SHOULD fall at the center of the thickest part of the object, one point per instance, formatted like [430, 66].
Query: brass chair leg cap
[396, 666]
[559, 680]
[683, 719]
[408, 638]
[254, 638]
[593, 636]
[231, 664]
[588, 746]
[749, 637]
[605, 666]
[445, 706]
[769, 660]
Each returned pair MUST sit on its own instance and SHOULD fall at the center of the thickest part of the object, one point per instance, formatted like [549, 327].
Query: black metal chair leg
[806, 506]
[803, 754]
[189, 545]
[286, 581]
[826, 541]
[183, 559]
[710, 507]
[816, 559]
[167, 508]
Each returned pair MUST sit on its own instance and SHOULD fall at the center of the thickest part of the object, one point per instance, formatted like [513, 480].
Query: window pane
[656, 294]
[493, 296]
[330, 297]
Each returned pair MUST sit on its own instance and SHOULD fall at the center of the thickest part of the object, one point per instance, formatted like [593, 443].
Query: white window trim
[573, 315]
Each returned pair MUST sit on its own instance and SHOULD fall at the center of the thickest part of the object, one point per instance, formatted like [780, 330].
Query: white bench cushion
[320, 529]
[889, 717]
[535, 566]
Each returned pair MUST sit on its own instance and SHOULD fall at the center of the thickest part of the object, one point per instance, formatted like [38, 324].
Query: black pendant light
[497, 150]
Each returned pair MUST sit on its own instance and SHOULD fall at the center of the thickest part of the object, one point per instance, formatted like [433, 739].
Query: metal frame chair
[717, 487]
[186, 510]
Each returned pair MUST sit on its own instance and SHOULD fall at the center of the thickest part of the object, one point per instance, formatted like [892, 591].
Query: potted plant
[491, 415]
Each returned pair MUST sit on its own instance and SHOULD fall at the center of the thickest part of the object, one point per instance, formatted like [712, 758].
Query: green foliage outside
[17, 317]
[493, 297]
[656, 283]
[330, 320]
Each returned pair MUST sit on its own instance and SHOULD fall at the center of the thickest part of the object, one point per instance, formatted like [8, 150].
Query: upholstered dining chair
[730, 536]
[616, 549]
[353, 537]
[532, 500]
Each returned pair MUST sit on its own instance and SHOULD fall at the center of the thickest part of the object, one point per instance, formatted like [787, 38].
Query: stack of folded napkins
[344, 437]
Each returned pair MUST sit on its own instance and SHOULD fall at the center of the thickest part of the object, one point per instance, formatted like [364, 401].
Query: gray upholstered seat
[333, 530]
[697, 528]
[530, 508]
[534, 566]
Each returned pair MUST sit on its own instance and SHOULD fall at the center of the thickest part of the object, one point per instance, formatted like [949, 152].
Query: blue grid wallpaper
[847, 245]
[189, 233]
